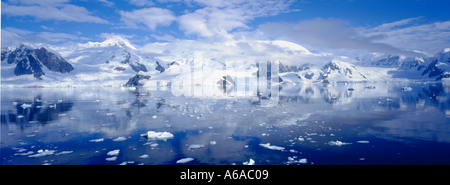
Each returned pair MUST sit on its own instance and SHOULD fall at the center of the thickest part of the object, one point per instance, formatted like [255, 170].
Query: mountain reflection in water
[320, 124]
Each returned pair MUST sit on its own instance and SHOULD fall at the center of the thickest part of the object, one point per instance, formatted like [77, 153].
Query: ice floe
[111, 158]
[42, 153]
[97, 140]
[271, 147]
[250, 162]
[158, 135]
[113, 152]
[24, 106]
[64, 152]
[120, 139]
[145, 156]
[292, 160]
[195, 146]
[185, 160]
[337, 143]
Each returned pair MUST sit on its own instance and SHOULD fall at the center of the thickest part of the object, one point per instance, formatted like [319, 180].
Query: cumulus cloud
[49, 10]
[148, 17]
[218, 17]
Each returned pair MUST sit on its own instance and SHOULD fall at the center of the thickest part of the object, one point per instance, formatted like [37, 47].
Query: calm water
[315, 124]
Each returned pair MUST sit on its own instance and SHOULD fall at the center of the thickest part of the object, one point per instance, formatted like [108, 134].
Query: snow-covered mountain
[116, 62]
[111, 62]
[37, 62]
[425, 68]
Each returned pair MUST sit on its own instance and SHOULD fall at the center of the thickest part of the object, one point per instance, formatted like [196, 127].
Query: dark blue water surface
[306, 124]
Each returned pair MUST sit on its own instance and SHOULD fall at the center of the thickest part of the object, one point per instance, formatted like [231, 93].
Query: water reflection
[304, 119]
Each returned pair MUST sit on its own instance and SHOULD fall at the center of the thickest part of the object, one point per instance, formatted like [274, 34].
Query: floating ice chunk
[97, 140]
[64, 152]
[154, 117]
[111, 158]
[110, 113]
[196, 146]
[407, 89]
[271, 147]
[113, 152]
[24, 106]
[20, 116]
[337, 143]
[185, 160]
[291, 160]
[120, 139]
[27, 153]
[145, 156]
[250, 162]
[303, 161]
[363, 142]
[42, 153]
[158, 135]
[212, 142]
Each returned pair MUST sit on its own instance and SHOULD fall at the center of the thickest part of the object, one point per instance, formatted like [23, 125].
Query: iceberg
[158, 135]
[271, 147]
[185, 160]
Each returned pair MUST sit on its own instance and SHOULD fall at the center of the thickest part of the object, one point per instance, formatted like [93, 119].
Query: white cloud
[219, 18]
[142, 2]
[243, 50]
[50, 10]
[411, 34]
[107, 3]
[330, 34]
[148, 17]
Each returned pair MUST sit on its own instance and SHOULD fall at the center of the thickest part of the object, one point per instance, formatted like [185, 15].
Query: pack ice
[158, 135]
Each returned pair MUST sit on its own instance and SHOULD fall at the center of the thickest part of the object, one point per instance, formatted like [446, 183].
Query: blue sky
[386, 26]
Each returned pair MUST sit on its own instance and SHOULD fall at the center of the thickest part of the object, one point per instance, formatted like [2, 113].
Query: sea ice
[250, 162]
[407, 89]
[42, 153]
[158, 135]
[113, 152]
[271, 147]
[24, 106]
[145, 156]
[337, 143]
[64, 152]
[97, 140]
[196, 146]
[185, 160]
[111, 158]
[120, 139]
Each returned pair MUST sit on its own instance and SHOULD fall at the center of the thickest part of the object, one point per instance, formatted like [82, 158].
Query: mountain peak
[111, 41]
